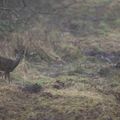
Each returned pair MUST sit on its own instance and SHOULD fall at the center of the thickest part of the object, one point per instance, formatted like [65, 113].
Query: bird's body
[8, 65]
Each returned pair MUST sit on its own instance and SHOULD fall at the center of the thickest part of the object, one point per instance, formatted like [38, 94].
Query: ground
[87, 92]
[86, 88]
[71, 65]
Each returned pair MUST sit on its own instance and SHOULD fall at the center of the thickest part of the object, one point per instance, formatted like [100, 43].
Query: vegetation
[68, 71]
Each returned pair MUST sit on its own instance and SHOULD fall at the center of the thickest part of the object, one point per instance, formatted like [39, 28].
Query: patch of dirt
[58, 84]
[34, 88]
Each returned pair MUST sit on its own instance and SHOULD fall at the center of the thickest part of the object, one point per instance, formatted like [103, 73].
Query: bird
[8, 65]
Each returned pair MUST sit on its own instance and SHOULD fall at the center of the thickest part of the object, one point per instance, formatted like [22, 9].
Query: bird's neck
[17, 61]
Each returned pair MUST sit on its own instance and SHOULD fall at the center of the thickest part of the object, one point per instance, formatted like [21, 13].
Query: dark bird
[8, 65]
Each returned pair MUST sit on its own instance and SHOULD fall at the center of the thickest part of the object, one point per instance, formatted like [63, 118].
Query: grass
[87, 94]
[76, 101]
[91, 86]
[83, 96]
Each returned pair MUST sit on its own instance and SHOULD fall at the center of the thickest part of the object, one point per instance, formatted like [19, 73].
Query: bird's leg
[5, 75]
[8, 76]
[2, 74]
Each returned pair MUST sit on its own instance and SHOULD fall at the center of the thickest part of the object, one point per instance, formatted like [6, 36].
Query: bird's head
[19, 53]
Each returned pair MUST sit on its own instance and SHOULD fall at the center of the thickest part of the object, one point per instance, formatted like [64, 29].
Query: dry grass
[86, 93]
[67, 104]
